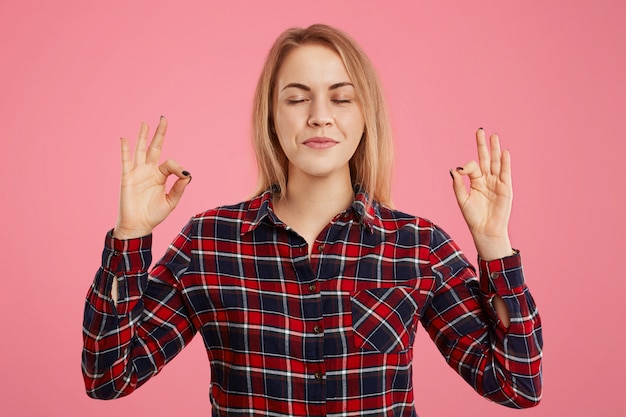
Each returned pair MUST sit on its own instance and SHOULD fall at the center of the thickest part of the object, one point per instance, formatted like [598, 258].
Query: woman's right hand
[144, 201]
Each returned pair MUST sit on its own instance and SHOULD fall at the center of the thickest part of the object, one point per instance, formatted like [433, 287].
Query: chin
[321, 171]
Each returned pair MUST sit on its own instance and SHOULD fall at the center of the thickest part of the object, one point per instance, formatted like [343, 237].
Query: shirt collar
[366, 210]
[260, 207]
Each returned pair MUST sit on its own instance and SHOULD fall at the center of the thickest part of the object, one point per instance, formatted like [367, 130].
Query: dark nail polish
[480, 128]
[185, 173]
[459, 168]
[451, 174]
[162, 117]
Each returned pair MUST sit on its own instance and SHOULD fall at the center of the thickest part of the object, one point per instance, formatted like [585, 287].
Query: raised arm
[133, 325]
[486, 205]
[489, 330]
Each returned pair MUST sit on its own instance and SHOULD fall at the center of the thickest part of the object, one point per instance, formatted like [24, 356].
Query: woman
[308, 295]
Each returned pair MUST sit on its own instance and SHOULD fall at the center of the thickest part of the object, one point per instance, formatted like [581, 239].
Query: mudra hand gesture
[486, 205]
[144, 200]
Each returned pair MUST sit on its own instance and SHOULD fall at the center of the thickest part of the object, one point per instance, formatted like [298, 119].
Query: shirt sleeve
[126, 344]
[501, 363]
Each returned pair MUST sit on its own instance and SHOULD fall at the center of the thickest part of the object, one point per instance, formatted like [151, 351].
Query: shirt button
[312, 287]
[320, 248]
[116, 253]
[494, 275]
[319, 376]
[317, 330]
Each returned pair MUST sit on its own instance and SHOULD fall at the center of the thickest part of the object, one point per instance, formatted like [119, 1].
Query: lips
[320, 143]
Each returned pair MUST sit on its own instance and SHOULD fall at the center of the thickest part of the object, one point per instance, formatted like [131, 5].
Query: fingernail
[480, 128]
[185, 173]
[162, 117]
[451, 174]
[459, 168]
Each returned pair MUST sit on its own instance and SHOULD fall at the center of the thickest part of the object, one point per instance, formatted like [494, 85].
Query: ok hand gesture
[144, 200]
[486, 205]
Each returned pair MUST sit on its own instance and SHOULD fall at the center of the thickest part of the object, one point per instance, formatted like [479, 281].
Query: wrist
[489, 249]
[122, 233]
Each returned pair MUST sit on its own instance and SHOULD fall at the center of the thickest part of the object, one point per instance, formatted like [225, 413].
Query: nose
[320, 114]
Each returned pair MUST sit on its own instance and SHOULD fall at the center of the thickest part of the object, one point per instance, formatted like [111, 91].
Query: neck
[317, 199]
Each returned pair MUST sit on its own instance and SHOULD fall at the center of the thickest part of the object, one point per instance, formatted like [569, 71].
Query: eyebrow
[307, 88]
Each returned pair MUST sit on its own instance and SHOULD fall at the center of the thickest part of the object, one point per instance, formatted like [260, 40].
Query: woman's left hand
[486, 206]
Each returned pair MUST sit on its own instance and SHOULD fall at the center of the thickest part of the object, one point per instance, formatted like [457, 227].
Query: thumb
[178, 188]
[458, 186]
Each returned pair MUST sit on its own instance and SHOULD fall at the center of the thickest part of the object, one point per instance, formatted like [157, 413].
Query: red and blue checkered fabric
[292, 335]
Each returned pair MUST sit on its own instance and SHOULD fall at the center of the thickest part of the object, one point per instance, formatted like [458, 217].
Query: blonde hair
[371, 165]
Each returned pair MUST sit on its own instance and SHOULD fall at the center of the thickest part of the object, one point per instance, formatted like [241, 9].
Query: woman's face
[317, 117]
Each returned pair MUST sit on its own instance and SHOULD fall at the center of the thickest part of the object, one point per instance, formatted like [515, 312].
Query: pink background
[548, 76]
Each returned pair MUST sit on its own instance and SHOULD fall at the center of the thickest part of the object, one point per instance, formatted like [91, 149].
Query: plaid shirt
[325, 335]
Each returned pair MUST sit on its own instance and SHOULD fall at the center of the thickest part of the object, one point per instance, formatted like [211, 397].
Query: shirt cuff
[126, 255]
[501, 276]
[126, 261]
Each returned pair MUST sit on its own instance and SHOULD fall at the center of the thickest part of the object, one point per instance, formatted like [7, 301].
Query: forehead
[313, 65]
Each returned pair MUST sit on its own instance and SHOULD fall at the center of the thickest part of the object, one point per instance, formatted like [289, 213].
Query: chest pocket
[383, 319]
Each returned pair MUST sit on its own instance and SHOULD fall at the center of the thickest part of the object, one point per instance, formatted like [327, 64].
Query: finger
[483, 151]
[171, 167]
[505, 171]
[140, 149]
[126, 158]
[471, 169]
[154, 151]
[495, 154]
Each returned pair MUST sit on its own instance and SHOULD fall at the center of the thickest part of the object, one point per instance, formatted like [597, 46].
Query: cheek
[358, 128]
[283, 134]
[281, 123]
[357, 122]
